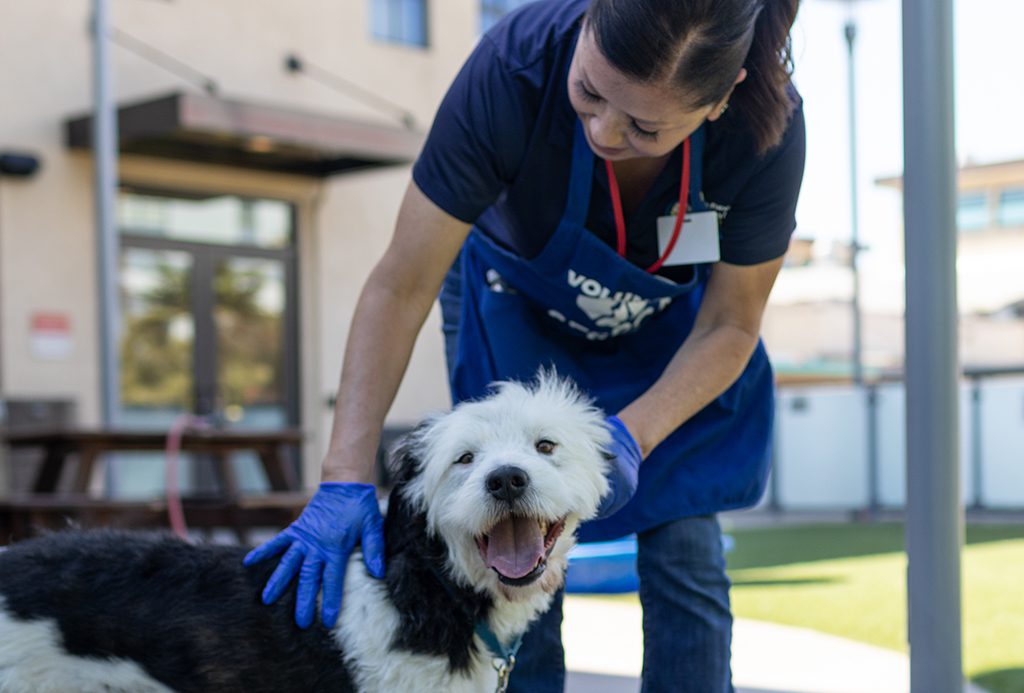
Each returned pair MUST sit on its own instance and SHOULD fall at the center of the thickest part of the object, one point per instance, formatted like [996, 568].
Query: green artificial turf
[850, 580]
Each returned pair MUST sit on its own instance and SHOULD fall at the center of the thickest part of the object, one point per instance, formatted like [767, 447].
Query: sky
[989, 115]
[989, 118]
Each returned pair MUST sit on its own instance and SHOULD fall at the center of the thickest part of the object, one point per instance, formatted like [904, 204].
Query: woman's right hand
[392, 306]
[317, 547]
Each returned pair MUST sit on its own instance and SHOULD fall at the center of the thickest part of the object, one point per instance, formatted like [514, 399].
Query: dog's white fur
[504, 429]
[501, 430]
[33, 660]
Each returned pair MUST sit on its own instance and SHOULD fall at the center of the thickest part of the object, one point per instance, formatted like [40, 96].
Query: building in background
[808, 325]
[839, 446]
[990, 218]
[264, 149]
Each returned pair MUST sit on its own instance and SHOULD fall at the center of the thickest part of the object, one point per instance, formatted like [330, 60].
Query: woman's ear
[719, 108]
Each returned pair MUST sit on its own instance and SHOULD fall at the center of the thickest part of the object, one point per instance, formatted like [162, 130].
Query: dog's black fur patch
[190, 616]
[438, 616]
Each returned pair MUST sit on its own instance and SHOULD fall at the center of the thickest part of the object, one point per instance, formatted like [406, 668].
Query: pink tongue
[515, 547]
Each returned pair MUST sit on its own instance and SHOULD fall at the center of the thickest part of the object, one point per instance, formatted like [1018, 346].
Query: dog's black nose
[507, 483]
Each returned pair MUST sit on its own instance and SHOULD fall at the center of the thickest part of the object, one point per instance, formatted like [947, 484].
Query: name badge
[698, 239]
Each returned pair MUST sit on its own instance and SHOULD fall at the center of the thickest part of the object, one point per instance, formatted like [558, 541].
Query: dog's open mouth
[517, 548]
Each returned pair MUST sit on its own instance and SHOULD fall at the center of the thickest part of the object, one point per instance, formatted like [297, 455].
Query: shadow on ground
[584, 682]
[782, 545]
[782, 582]
[1002, 680]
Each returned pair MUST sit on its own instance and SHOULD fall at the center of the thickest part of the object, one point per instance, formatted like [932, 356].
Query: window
[399, 21]
[493, 10]
[1011, 207]
[220, 219]
[972, 212]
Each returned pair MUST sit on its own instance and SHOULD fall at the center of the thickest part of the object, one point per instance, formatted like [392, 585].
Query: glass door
[252, 353]
[157, 336]
[208, 324]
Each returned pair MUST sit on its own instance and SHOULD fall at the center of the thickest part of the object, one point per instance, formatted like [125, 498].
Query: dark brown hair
[700, 45]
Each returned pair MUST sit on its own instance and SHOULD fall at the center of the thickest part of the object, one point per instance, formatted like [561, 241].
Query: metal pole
[977, 474]
[850, 32]
[874, 465]
[104, 140]
[934, 531]
[856, 353]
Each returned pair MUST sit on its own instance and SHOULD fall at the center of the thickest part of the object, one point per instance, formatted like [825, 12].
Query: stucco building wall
[47, 238]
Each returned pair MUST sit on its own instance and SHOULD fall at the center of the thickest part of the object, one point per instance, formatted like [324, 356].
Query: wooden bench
[27, 514]
[77, 451]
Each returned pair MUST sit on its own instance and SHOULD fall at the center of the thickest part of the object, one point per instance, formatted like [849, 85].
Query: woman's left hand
[625, 458]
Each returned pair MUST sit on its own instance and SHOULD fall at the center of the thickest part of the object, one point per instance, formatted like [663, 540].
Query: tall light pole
[856, 348]
[104, 149]
[850, 34]
[856, 356]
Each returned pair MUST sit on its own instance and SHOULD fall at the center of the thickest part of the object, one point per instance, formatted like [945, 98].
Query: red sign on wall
[50, 336]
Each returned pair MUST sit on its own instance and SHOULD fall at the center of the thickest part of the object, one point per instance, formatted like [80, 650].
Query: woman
[612, 185]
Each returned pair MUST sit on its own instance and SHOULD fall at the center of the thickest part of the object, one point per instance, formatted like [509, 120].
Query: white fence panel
[892, 445]
[967, 491]
[821, 449]
[1002, 443]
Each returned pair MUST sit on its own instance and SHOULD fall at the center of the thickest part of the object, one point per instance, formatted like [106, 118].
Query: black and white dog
[486, 503]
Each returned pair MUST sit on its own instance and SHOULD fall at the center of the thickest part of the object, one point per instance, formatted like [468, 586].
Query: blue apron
[613, 328]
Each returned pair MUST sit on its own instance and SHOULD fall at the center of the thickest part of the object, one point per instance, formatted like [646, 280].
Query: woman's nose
[604, 132]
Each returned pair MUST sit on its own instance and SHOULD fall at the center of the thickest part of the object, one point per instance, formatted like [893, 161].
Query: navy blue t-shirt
[499, 153]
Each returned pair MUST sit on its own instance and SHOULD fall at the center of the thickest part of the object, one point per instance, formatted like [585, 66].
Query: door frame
[204, 256]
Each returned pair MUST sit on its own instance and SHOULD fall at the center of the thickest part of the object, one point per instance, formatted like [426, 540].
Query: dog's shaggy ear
[406, 456]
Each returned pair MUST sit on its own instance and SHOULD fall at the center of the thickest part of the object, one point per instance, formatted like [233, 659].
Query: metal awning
[207, 129]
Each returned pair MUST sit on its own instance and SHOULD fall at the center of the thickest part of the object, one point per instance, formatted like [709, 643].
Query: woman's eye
[641, 133]
[546, 447]
[466, 458]
[585, 93]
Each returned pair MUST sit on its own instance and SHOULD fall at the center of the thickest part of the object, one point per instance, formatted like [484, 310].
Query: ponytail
[762, 100]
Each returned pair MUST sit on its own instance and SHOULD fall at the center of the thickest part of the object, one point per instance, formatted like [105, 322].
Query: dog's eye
[466, 458]
[546, 447]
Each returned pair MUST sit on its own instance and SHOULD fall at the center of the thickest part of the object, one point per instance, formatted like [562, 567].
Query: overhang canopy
[207, 129]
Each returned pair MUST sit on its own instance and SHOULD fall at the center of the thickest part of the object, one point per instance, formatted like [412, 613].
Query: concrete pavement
[604, 654]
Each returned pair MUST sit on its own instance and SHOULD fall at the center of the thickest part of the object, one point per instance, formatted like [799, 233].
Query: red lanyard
[620, 221]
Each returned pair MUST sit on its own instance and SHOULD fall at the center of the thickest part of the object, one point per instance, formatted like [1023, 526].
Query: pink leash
[175, 509]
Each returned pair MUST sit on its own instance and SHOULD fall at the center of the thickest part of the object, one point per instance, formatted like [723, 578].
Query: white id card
[698, 239]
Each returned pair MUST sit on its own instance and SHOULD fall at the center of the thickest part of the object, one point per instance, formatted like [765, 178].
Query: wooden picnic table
[78, 451]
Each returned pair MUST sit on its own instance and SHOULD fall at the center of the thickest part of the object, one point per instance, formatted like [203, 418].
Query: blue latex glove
[624, 455]
[317, 547]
